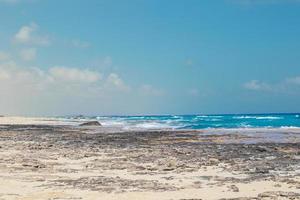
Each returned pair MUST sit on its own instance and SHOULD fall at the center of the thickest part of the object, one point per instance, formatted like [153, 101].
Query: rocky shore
[68, 162]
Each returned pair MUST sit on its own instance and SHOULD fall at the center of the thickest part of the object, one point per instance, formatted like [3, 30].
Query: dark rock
[234, 188]
[168, 169]
[34, 165]
[39, 166]
[261, 170]
[91, 123]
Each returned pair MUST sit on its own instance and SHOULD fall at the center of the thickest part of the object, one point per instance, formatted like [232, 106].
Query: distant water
[198, 121]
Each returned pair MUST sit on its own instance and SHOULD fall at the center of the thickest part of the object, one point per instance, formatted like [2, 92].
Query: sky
[145, 57]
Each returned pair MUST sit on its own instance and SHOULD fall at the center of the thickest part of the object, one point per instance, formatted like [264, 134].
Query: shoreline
[245, 135]
[20, 120]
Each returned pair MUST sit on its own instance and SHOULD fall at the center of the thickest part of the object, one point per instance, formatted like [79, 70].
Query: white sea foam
[209, 116]
[290, 127]
[151, 125]
[212, 120]
[176, 117]
[113, 123]
[171, 122]
[256, 117]
[269, 117]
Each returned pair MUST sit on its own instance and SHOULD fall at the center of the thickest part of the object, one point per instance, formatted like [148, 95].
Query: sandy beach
[46, 159]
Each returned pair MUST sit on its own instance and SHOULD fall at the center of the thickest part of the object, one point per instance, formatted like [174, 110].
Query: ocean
[227, 121]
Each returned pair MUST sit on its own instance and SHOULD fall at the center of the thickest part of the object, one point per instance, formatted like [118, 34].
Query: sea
[224, 121]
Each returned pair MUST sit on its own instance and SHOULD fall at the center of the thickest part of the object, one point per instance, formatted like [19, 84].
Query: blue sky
[149, 57]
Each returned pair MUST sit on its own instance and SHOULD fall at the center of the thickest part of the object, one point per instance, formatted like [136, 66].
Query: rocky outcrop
[91, 123]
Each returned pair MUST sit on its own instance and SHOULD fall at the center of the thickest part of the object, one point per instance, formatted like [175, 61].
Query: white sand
[15, 120]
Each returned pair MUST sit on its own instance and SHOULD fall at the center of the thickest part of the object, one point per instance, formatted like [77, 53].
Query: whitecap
[289, 127]
[257, 117]
[153, 125]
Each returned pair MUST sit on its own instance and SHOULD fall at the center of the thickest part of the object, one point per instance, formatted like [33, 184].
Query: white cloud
[24, 34]
[4, 56]
[9, 64]
[288, 85]
[80, 44]
[28, 54]
[58, 76]
[294, 80]
[27, 35]
[149, 90]
[74, 74]
[4, 75]
[113, 80]
[14, 73]
[58, 90]
[257, 85]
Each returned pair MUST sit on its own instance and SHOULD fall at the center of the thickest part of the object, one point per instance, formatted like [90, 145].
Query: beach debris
[91, 123]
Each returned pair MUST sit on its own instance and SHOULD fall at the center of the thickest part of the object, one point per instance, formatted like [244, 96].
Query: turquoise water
[200, 121]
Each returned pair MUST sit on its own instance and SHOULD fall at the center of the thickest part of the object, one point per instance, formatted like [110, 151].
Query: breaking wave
[197, 121]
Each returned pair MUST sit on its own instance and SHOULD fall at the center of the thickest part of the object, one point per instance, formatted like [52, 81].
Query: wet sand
[39, 161]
